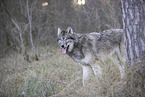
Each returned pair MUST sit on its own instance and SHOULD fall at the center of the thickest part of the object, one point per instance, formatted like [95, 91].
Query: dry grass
[57, 75]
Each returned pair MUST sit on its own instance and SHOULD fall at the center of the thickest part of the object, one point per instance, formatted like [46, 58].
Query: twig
[17, 26]
[29, 12]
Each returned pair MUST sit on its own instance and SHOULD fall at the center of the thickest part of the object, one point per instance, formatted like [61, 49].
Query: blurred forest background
[33, 23]
[28, 32]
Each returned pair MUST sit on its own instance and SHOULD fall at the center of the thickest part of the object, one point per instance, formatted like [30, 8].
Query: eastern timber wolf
[87, 49]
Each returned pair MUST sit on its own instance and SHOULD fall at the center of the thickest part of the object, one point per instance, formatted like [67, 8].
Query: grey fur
[87, 49]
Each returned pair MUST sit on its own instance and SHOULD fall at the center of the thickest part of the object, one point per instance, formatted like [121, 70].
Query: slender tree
[134, 30]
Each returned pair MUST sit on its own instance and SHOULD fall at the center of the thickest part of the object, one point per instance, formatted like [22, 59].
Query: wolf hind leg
[87, 73]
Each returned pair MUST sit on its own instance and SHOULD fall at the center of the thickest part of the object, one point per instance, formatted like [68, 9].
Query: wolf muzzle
[64, 48]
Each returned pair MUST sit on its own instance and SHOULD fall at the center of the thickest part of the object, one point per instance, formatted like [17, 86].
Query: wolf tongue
[64, 50]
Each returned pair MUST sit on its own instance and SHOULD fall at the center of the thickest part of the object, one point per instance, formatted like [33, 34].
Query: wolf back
[96, 43]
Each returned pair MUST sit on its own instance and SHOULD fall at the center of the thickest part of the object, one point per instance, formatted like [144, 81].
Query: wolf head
[66, 39]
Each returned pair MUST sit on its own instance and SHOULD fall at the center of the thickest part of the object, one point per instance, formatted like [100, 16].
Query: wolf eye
[59, 41]
[68, 40]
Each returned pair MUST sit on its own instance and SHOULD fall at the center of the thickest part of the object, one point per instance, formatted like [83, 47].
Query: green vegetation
[57, 75]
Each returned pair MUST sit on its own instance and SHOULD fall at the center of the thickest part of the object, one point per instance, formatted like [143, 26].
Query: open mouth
[64, 49]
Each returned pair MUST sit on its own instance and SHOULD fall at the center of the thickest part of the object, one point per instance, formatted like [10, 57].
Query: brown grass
[57, 75]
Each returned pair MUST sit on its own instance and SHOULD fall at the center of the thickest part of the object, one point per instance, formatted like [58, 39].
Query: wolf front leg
[96, 68]
[87, 73]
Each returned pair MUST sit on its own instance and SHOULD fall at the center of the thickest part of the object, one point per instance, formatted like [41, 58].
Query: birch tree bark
[134, 30]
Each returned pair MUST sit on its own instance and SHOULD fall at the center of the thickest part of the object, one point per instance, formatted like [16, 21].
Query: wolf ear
[59, 31]
[69, 30]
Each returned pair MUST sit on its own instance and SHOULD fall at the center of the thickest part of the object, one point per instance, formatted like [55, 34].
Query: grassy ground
[56, 75]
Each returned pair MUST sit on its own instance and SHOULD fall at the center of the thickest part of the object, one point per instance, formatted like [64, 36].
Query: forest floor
[56, 75]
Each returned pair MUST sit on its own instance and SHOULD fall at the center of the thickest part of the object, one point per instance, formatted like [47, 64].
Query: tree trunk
[134, 30]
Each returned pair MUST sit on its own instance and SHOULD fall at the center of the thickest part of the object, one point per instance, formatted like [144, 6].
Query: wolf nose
[62, 46]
